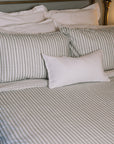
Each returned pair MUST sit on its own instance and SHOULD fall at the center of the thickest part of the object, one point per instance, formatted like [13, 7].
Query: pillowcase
[86, 26]
[42, 27]
[79, 17]
[66, 70]
[21, 54]
[88, 15]
[96, 7]
[87, 40]
[34, 15]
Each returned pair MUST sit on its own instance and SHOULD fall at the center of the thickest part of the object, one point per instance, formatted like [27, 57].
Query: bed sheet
[75, 114]
[30, 83]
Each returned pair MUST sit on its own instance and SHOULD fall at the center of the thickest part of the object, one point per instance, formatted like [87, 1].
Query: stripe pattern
[87, 40]
[76, 114]
[21, 54]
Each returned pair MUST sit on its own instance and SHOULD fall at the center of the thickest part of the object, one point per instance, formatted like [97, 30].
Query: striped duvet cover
[75, 114]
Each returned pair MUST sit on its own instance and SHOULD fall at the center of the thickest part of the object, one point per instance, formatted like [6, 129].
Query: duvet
[75, 114]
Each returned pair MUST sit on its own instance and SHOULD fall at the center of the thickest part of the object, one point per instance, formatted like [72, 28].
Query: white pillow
[59, 15]
[34, 15]
[80, 17]
[96, 7]
[42, 27]
[66, 70]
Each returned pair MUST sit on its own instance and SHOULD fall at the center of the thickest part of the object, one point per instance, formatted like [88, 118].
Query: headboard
[16, 5]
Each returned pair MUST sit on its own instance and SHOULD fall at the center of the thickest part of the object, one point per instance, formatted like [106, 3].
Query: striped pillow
[21, 54]
[87, 40]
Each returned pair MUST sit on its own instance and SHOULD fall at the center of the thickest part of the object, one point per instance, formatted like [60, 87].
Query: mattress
[75, 114]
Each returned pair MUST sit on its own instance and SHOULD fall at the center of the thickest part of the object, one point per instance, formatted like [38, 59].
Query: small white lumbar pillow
[67, 70]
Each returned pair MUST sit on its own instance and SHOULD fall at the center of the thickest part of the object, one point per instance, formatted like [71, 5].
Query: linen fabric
[32, 83]
[34, 15]
[21, 54]
[79, 17]
[87, 40]
[42, 27]
[95, 6]
[88, 15]
[81, 113]
[65, 71]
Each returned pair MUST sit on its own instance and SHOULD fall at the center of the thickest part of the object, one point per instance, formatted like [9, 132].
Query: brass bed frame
[106, 4]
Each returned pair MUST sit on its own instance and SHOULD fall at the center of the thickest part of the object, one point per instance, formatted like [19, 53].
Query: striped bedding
[87, 40]
[21, 54]
[75, 114]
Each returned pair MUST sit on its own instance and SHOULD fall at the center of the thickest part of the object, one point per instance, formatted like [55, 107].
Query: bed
[56, 86]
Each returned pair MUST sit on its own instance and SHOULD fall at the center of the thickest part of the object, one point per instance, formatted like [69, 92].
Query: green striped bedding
[86, 40]
[75, 114]
[21, 54]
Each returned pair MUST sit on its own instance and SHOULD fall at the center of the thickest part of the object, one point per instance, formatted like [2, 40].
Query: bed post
[106, 9]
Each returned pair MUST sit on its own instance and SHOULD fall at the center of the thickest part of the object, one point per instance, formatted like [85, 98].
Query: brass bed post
[106, 7]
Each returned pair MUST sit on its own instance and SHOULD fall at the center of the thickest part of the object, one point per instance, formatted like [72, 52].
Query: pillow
[34, 15]
[95, 6]
[86, 26]
[42, 27]
[79, 17]
[87, 40]
[21, 54]
[87, 15]
[66, 70]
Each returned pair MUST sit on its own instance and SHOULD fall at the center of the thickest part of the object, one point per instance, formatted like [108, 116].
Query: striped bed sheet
[31, 83]
[75, 114]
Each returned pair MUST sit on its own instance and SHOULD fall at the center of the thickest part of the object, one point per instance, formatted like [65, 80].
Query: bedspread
[75, 114]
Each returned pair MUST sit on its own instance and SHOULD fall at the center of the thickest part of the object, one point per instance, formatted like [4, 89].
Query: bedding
[21, 54]
[42, 27]
[30, 112]
[66, 70]
[34, 15]
[89, 15]
[32, 83]
[75, 114]
[95, 6]
[87, 26]
[87, 40]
